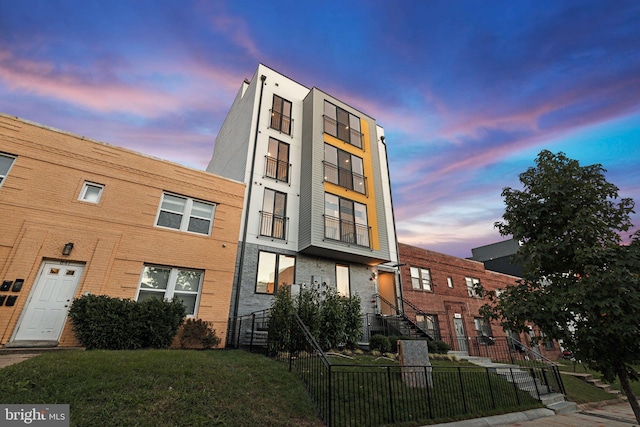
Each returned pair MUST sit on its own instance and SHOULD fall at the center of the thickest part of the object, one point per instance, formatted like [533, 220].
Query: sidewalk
[617, 414]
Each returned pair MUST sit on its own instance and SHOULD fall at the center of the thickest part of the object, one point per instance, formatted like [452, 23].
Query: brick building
[79, 216]
[442, 287]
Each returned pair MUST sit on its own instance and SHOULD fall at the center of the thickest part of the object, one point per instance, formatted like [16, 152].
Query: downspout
[395, 234]
[236, 303]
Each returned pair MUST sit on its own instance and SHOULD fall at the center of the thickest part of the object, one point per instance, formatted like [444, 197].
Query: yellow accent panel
[370, 201]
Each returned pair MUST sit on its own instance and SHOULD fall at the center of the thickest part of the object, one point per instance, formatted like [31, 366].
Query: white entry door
[46, 310]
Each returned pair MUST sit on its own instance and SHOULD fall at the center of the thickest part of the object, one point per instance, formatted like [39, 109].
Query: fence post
[535, 383]
[464, 399]
[427, 388]
[493, 400]
[393, 417]
[329, 394]
[515, 386]
[291, 343]
[253, 327]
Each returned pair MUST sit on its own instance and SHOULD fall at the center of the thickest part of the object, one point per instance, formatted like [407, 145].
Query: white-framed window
[342, 280]
[482, 327]
[472, 286]
[6, 161]
[420, 278]
[450, 282]
[164, 282]
[185, 214]
[91, 192]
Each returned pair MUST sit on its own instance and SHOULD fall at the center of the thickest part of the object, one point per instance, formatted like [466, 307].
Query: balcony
[276, 169]
[281, 123]
[342, 131]
[274, 226]
[346, 231]
[345, 178]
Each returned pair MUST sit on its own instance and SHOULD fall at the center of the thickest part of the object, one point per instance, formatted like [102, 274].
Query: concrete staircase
[525, 382]
[588, 378]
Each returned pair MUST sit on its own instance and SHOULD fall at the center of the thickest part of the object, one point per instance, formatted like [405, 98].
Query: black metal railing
[276, 169]
[391, 321]
[273, 225]
[346, 231]
[250, 331]
[345, 178]
[281, 122]
[342, 131]
[357, 395]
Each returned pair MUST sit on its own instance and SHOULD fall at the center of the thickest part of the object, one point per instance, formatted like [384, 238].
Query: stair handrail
[536, 354]
[410, 304]
[401, 314]
[390, 304]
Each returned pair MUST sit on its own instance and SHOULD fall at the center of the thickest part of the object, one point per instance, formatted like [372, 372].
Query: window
[166, 282]
[450, 282]
[91, 192]
[277, 160]
[273, 220]
[345, 220]
[472, 287]
[281, 115]
[420, 278]
[274, 271]
[185, 214]
[429, 324]
[343, 169]
[6, 162]
[483, 329]
[342, 280]
[342, 124]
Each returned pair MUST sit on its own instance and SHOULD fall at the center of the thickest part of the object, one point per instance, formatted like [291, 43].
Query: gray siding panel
[231, 150]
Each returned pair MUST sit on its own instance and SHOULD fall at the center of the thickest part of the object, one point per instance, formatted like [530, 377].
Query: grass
[580, 368]
[580, 391]
[162, 388]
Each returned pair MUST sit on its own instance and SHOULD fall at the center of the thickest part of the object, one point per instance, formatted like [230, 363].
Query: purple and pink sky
[469, 92]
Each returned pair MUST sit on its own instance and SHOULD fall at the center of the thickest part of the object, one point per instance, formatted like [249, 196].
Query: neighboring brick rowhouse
[451, 303]
[113, 239]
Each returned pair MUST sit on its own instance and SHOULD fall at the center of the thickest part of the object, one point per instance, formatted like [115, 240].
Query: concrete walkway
[616, 413]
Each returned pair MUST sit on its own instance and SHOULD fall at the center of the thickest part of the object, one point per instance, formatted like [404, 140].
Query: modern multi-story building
[318, 200]
[80, 216]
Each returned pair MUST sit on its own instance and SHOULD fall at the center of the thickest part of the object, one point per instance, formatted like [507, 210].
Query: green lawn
[162, 388]
[580, 368]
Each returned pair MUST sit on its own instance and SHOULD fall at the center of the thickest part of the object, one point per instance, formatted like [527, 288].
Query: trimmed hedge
[103, 322]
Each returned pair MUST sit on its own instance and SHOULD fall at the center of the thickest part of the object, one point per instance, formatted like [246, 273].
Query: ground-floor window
[483, 329]
[164, 282]
[342, 280]
[429, 324]
[274, 270]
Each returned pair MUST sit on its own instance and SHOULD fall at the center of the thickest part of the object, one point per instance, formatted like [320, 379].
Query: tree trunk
[624, 383]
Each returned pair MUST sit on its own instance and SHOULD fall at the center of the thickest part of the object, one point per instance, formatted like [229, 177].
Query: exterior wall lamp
[68, 247]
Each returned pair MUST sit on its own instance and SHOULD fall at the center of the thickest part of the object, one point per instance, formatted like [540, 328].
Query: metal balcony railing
[281, 123]
[342, 131]
[345, 178]
[276, 169]
[274, 226]
[346, 231]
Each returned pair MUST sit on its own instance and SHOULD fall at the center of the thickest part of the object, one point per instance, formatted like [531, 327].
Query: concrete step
[563, 407]
[552, 398]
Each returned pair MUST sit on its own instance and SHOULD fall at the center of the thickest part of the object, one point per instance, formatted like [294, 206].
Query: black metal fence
[371, 395]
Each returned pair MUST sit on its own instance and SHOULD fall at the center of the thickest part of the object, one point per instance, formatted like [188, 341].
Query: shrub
[103, 322]
[352, 321]
[332, 321]
[197, 333]
[280, 320]
[380, 343]
[393, 342]
[438, 347]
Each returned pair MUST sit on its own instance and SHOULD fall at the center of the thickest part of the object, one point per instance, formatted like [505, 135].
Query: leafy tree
[580, 284]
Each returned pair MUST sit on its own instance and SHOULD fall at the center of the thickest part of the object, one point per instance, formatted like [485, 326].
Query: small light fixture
[68, 247]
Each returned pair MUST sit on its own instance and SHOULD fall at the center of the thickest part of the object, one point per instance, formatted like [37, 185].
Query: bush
[197, 333]
[438, 347]
[380, 343]
[332, 321]
[352, 320]
[103, 322]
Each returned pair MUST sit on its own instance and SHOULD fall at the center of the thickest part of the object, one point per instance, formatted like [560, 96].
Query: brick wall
[451, 302]
[114, 238]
